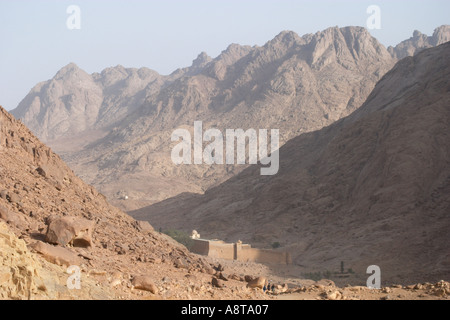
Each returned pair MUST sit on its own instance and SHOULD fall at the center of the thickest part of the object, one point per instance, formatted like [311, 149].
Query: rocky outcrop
[419, 42]
[72, 231]
[19, 269]
[259, 282]
[12, 218]
[56, 255]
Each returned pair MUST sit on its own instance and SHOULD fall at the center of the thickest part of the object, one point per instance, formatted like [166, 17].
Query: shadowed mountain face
[114, 128]
[373, 188]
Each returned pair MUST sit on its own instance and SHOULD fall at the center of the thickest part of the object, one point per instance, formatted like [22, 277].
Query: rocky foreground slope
[373, 188]
[55, 220]
[50, 219]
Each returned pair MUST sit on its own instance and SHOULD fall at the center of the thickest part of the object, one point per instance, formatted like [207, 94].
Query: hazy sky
[168, 34]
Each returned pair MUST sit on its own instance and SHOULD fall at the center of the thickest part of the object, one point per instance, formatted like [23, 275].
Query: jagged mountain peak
[70, 71]
[417, 34]
[287, 36]
[419, 42]
[286, 39]
[201, 60]
[441, 35]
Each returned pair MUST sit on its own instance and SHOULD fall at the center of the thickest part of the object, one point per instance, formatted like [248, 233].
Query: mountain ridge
[121, 143]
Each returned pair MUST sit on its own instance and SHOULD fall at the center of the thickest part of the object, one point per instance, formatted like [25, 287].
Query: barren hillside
[373, 188]
[55, 220]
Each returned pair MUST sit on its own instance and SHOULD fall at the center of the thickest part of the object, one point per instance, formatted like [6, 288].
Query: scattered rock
[221, 276]
[441, 292]
[42, 171]
[259, 282]
[180, 264]
[70, 231]
[144, 283]
[12, 219]
[56, 255]
[335, 295]
[208, 270]
[217, 283]
[115, 282]
[120, 248]
[236, 277]
[326, 283]
[14, 198]
[219, 268]
[4, 194]
[282, 288]
[418, 287]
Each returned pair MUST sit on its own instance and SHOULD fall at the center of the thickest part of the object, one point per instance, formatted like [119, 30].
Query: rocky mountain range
[114, 127]
[364, 173]
[372, 188]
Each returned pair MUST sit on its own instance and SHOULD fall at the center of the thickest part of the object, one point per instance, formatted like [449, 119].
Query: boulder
[282, 288]
[56, 255]
[217, 283]
[219, 268]
[4, 194]
[259, 282]
[14, 198]
[144, 283]
[221, 276]
[70, 231]
[12, 219]
[249, 278]
[4, 214]
[180, 263]
[208, 270]
[326, 283]
[336, 295]
[43, 171]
